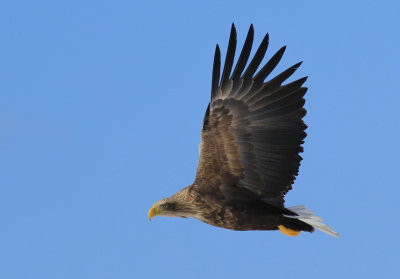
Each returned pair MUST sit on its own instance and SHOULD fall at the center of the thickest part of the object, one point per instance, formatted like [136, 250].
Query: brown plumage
[249, 153]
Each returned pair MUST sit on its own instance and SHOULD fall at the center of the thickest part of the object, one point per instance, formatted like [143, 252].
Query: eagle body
[251, 138]
[239, 216]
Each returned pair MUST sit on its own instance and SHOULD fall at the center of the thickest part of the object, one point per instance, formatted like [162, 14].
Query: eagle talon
[288, 231]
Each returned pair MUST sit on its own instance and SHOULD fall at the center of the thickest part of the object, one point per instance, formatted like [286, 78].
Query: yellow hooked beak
[154, 211]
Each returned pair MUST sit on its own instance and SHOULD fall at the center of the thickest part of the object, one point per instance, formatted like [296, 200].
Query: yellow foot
[288, 231]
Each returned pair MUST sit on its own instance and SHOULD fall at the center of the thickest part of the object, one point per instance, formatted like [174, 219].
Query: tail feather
[308, 216]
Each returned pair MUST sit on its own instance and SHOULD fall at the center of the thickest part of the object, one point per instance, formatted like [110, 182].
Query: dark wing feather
[230, 55]
[244, 55]
[253, 130]
[216, 72]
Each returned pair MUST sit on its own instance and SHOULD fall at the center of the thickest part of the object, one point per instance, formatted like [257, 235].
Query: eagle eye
[167, 206]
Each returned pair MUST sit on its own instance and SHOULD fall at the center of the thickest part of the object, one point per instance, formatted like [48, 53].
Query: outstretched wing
[252, 130]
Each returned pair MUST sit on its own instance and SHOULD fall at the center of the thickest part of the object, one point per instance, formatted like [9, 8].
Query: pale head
[178, 205]
[164, 207]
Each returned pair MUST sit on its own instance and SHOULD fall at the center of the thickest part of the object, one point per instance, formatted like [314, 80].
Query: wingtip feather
[216, 70]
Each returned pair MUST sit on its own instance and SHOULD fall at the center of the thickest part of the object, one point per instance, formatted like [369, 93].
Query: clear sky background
[101, 104]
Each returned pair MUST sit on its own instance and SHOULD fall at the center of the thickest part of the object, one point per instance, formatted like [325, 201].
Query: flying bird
[251, 137]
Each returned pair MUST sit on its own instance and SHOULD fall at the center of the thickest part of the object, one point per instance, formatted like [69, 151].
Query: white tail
[308, 216]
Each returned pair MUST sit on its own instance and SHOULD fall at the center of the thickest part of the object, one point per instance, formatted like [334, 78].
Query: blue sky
[100, 111]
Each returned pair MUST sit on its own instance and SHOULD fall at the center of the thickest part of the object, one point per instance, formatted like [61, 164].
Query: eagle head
[167, 207]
